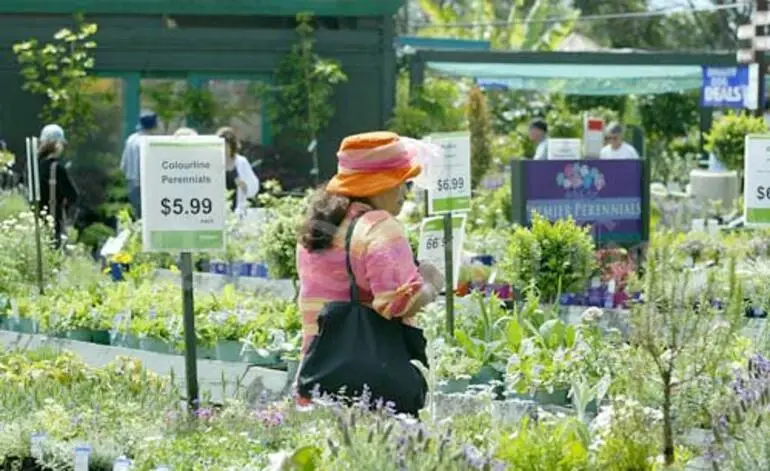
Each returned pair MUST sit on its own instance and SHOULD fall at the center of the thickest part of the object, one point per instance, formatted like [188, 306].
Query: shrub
[728, 135]
[555, 257]
[481, 135]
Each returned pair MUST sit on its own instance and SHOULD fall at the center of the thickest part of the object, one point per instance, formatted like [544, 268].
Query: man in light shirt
[129, 162]
[538, 133]
[617, 149]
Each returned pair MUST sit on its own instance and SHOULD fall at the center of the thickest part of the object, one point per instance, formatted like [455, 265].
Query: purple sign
[605, 194]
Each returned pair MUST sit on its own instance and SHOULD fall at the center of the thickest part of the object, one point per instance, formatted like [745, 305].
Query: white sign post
[433, 246]
[450, 176]
[593, 136]
[449, 191]
[756, 176]
[33, 190]
[564, 149]
[183, 209]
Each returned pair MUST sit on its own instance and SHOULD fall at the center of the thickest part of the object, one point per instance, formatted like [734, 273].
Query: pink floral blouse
[382, 261]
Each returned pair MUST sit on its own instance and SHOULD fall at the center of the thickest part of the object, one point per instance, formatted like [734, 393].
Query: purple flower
[204, 413]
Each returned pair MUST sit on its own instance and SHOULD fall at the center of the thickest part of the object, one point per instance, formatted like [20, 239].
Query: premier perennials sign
[605, 195]
[183, 193]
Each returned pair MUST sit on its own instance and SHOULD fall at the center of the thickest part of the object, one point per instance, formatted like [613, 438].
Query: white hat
[52, 132]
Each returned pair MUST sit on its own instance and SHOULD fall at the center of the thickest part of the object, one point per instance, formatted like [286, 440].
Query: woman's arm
[247, 176]
[398, 288]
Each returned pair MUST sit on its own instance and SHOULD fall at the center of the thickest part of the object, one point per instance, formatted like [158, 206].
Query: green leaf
[306, 458]
[514, 335]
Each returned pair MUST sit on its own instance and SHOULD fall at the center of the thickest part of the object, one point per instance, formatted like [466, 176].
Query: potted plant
[153, 333]
[120, 263]
[556, 257]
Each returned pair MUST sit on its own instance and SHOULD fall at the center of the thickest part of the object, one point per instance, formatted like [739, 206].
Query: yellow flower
[122, 258]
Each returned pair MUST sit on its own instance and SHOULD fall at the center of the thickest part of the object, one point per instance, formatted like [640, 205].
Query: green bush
[554, 257]
[728, 135]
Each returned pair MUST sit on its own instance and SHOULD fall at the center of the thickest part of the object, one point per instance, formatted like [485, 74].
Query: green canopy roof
[578, 79]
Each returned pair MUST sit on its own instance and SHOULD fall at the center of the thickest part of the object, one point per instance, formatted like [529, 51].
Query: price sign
[183, 193]
[757, 180]
[432, 243]
[450, 176]
[564, 149]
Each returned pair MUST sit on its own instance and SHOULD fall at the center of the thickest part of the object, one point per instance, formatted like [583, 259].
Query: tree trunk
[668, 427]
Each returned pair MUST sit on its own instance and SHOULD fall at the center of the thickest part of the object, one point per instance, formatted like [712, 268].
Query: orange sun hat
[373, 162]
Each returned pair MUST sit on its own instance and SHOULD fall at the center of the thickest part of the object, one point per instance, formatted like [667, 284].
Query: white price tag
[564, 149]
[432, 244]
[82, 457]
[121, 464]
[449, 179]
[757, 180]
[183, 193]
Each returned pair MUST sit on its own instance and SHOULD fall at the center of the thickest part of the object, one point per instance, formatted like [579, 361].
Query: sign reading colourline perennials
[183, 193]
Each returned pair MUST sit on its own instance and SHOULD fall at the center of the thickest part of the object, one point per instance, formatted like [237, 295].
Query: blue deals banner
[725, 87]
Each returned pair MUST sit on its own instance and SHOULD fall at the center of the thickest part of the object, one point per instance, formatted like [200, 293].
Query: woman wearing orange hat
[357, 211]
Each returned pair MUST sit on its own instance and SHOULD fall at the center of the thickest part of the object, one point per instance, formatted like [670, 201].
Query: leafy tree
[58, 70]
[523, 25]
[434, 109]
[301, 103]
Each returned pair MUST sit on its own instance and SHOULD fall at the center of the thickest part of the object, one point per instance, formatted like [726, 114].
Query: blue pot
[117, 270]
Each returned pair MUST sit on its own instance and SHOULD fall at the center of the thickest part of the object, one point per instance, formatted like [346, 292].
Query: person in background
[185, 132]
[57, 191]
[240, 180]
[371, 186]
[617, 149]
[538, 134]
[130, 160]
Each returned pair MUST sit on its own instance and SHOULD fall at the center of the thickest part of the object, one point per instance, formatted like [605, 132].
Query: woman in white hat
[57, 191]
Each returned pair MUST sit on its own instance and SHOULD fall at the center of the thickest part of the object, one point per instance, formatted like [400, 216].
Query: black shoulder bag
[357, 348]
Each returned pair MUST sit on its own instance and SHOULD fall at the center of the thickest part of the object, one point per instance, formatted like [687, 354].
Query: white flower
[592, 314]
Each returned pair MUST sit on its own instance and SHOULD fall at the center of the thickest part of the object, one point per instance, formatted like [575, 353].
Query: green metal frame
[206, 7]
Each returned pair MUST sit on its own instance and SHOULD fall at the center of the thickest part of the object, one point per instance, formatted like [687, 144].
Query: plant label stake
[82, 457]
[33, 187]
[450, 191]
[183, 193]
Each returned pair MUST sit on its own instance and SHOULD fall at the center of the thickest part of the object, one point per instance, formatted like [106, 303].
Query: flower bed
[53, 404]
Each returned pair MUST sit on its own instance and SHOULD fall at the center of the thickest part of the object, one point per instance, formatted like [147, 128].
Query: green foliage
[558, 257]
[727, 137]
[197, 106]
[535, 34]
[57, 71]
[434, 109]
[681, 332]
[301, 101]
[481, 135]
[491, 209]
[278, 238]
[95, 235]
[669, 115]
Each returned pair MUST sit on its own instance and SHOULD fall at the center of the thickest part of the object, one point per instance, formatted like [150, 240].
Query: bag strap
[52, 189]
[354, 291]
